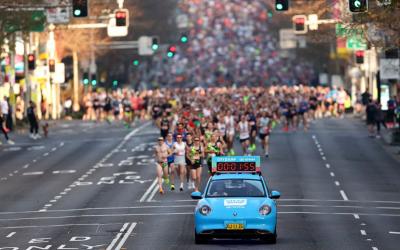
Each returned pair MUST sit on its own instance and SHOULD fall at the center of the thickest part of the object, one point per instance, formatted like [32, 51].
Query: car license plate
[234, 226]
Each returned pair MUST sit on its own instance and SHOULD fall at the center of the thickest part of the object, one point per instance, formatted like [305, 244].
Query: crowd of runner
[197, 124]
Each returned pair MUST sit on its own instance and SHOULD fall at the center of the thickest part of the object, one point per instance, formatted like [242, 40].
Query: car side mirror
[196, 195]
[275, 195]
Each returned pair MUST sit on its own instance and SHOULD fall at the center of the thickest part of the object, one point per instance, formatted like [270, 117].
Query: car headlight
[265, 210]
[204, 210]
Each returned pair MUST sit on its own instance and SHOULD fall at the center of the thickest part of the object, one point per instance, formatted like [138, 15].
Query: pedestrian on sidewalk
[379, 119]
[371, 111]
[33, 121]
[3, 128]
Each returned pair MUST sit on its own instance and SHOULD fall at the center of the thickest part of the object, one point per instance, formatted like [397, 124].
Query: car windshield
[236, 188]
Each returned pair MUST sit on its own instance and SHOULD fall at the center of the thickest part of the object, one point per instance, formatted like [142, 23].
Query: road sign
[182, 21]
[116, 31]
[313, 22]
[57, 15]
[287, 39]
[59, 75]
[145, 46]
[356, 43]
[389, 69]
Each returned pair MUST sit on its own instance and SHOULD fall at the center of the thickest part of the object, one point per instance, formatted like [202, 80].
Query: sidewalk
[386, 138]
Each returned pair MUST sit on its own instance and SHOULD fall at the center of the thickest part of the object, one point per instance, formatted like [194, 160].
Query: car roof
[236, 176]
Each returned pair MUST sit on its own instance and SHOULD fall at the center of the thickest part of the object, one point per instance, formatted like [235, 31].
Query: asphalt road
[91, 186]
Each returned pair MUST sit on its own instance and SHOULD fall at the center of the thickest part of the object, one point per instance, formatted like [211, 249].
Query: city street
[92, 186]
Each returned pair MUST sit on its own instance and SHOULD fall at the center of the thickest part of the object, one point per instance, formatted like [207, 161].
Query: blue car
[236, 204]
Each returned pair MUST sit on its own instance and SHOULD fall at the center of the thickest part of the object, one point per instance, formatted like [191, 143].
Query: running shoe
[181, 187]
[166, 180]
[161, 191]
[172, 187]
[10, 142]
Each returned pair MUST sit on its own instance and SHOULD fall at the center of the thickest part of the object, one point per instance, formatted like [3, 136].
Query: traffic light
[184, 38]
[80, 8]
[52, 65]
[31, 62]
[299, 24]
[358, 5]
[281, 5]
[94, 80]
[85, 79]
[154, 43]
[121, 17]
[171, 51]
[359, 56]
[136, 62]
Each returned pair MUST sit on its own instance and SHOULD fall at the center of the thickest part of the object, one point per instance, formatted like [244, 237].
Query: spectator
[371, 111]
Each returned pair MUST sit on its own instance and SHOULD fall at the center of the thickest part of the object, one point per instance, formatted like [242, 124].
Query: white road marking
[48, 205]
[363, 224]
[57, 197]
[356, 216]
[332, 174]
[374, 248]
[151, 196]
[127, 234]
[11, 234]
[392, 232]
[114, 241]
[327, 165]
[363, 232]
[64, 171]
[344, 196]
[16, 171]
[12, 149]
[53, 201]
[324, 158]
[171, 213]
[34, 160]
[148, 190]
[36, 148]
[26, 166]
[53, 149]
[61, 144]
[337, 183]
[45, 154]
[60, 225]
[33, 173]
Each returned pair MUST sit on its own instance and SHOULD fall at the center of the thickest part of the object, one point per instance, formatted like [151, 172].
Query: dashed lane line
[11, 234]
[33, 173]
[392, 232]
[344, 196]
